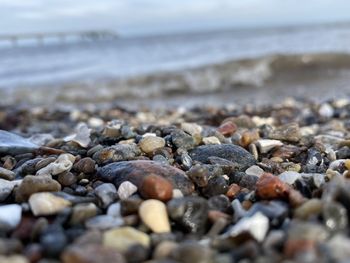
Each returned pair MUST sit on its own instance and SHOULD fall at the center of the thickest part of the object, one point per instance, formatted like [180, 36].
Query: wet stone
[103, 222]
[136, 171]
[119, 152]
[156, 187]
[287, 132]
[271, 187]
[81, 212]
[53, 240]
[34, 184]
[191, 213]
[126, 189]
[106, 193]
[13, 144]
[67, 179]
[189, 252]
[182, 140]
[150, 143]
[7, 174]
[10, 216]
[47, 204]
[125, 237]
[6, 188]
[154, 215]
[199, 175]
[220, 203]
[85, 165]
[233, 153]
[216, 185]
[93, 253]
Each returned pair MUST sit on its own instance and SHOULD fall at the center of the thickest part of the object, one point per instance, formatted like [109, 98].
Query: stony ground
[251, 184]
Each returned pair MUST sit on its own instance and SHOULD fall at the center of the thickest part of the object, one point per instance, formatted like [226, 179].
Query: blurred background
[162, 52]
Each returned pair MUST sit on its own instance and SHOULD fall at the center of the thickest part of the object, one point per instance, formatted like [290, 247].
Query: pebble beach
[251, 183]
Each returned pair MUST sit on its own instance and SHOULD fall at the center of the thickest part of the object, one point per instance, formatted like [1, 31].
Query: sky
[135, 17]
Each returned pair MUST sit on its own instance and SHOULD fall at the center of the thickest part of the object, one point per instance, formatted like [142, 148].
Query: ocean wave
[246, 73]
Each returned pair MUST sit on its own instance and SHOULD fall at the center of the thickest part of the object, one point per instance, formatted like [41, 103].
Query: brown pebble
[34, 184]
[271, 187]
[293, 247]
[92, 254]
[227, 128]
[233, 190]
[85, 165]
[248, 137]
[67, 179]
[156, 187]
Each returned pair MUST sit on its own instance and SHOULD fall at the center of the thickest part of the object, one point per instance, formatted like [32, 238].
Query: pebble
[149, 144]
[46, 203]
[256, 225]
[289, 177]
[116, 153]
[164, 249]
[288, 132]
[154, 215]
[217, 185]
[125, 237]
[182, 140]
[191, 128]
[126, 189]
[326, 110]
[211, 140]
[190, 212]
[82, 212]
[67, 179]
[312, 207]
[6, 188]
[271, 187]
[10, 216]
[53, 240]
[189, 252]
[227, 128]
[33, 184]
[13, 144]
[93, 253]
[266, 145]
[13, 259]
[7, 174]
[81, 137]
[254, 170]
[63, 164]
[156, 187]
[136, 171]
[85, 165]
[106, 193]
[233, 153]
[103, 222]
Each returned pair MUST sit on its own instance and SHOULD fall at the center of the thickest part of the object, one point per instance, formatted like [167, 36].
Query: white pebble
[10, 216]
[126, 189]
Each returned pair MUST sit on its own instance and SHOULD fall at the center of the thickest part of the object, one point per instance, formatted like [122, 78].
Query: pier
[91, 35]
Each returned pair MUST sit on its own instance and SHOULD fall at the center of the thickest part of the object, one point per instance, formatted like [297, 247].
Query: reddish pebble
[91, 254]
[227, 128]
[271, 187]
[248, 137]
[294, 247]
[233, 191]
[156, 187]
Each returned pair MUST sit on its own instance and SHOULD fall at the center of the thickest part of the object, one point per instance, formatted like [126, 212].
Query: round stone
[47, 204]
[124, 237]
[156, 187]
[10, 216]
[149, 144]
[154, 215]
